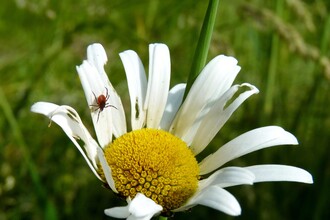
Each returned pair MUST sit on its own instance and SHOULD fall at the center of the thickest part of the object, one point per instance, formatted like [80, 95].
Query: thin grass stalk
[203, 44]
[272, 69]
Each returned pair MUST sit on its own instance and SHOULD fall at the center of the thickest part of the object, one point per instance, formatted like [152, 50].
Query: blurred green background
[282, 47]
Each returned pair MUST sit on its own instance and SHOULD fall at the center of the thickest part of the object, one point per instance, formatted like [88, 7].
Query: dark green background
[282, 47]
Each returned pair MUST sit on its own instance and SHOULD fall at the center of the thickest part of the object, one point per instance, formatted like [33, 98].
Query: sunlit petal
[214, 80]
[94, 87]
[97, 58]
[142, 206]
[137, 86]
[158, 83]
[218, 115]
[246, 143]
[229, 176]
[214, 197]
[272, 172]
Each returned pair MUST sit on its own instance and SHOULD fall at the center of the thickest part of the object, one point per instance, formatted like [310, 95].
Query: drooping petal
[229, 176]
[106, 170]
[272, 172]
[94, 87]
[140, 208]
[118, 212]
[246, 143]
[96, 57]
[143, 206]
[68, 119]
[214, 197]
[214, 80]
[217, 116]
[174, 101]
[137, 86]
[158, 83]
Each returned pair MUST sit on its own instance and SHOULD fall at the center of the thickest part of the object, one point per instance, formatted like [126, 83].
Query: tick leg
[94, 96]
[95, 100]
[108, 105]
[94, 107]
[107, 96]
[98, 116]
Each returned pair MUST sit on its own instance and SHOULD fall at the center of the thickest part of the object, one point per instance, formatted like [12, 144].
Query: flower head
[154, 165]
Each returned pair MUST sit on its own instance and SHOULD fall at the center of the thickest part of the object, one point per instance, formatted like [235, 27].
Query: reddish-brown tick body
[102, 103]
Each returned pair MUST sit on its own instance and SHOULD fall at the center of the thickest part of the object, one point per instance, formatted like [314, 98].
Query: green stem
[203, 44]
[162, 218]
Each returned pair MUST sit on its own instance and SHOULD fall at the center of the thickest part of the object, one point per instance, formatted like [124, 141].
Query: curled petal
[214, 197]
[229, 176]
[271, 173]
[118, 212]
[214, 80]
[217, 116]
[246, 143]
[143, 206]
[68, 119]
[140, 208]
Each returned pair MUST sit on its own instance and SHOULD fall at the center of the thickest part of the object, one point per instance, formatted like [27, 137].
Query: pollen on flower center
[154, 163]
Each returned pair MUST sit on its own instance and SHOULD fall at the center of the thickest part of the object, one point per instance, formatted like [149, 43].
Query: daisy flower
[154, 165]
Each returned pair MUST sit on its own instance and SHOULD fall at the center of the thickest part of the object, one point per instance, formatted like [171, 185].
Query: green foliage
[282, 47]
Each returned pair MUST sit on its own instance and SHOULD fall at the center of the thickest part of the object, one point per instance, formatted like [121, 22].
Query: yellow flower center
[154, 163]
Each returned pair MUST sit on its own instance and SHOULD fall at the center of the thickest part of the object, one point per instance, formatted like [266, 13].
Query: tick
[101, 102]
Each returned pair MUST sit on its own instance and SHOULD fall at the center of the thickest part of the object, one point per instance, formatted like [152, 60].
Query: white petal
[214, 197]
[218, 115]
[270, 173]
[214, 80]
[229, 176]
[142, 206]
[68, 119]
[106, 170]
[158, 83]
[118, 115]
[94, 86]
[174, 101]
[99, 83]
[246, 143]
[91, 81]
[97, 56]
[137, 86]
[118, 212]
